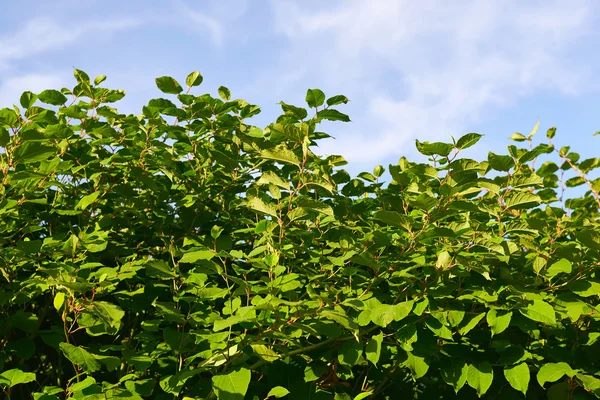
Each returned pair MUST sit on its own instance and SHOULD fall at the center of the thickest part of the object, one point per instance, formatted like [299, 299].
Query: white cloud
[202, 23]
[11, 89]
[44, 34]
[432, 68]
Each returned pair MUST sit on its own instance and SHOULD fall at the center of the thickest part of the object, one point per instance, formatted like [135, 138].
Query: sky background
[422, 69]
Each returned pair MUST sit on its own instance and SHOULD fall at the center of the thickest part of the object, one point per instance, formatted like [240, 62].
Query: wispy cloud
[45, 34]
[219, 19]
[11, 89]
[202, 22]
[431, 68]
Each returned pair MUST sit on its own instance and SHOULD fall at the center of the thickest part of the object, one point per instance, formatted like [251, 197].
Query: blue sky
[423, 69]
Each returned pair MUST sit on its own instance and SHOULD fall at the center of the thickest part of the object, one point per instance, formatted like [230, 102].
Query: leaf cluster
[185, 253]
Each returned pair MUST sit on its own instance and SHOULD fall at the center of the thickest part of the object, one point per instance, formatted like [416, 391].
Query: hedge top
[185, 253]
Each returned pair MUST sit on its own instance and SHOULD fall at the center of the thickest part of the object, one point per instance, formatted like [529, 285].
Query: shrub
[184, 253]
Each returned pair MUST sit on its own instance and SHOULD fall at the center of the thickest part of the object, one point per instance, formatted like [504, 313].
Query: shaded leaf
[518, 377]
[480, 377]
[373, 348]
[81, 357]
[167, 84]
[315, 97]
[224, 93]
[333, 115]
[454, 373]
[551, 372]
[194, 256]
[232, 385]
[468, 140]
[15, 376]
[278, 392]
[194, 79]
[53, 97]
[540, 311]
[417, 365]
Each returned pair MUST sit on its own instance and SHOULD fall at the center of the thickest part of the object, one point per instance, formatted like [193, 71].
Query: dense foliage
[184, 253]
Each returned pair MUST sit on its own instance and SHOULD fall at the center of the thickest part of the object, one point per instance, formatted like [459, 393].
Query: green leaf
[562, 266]
[296, 112]
[335, 100]
[454, 373]
[4, 137]
[518, 377]
[8, 117]
[265, 353]
[590, 383]
[53, 97]
[438, 329]
[194, 79]
[538, 264]
[15, 376]
[535, 152]
[232, 385]
[341, 319]
[27, 99]
[363, 395]
[312, 180]
[589, 237]
[468, 140]
[575, 181]
[79, 356]
[500, 163]
[87, 200]
[342, 396]
[417, 365]
[257, 204]
[159, 269]
[551, 372]
[333, 115]
[550, 133]
[110, 362]
[99, 79]
[350, 353]
[540, 311]
[282, 154]
[278, 392]
[315, 97]
[81, 76]
[436, 148]
[166, 84]
[31, 152]
[224, 93]
[498, 320]
[534, 130]
[394, 218]
[84, 384]
[243, 314]
[472, 322]
[59, 299]
[109, 313]
[520, 200]
[480, 377]
[373, 348]
[313, 205]
[198, 255]
[584, 288]
[378, 171]
[384, 314]
[518, 137]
